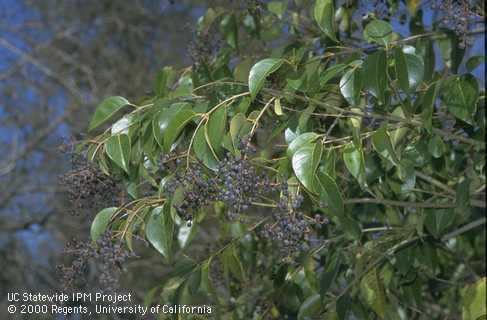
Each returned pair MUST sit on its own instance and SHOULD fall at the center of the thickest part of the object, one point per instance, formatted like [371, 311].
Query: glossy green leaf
[355, 163]
[331, 72]
[176, 124]
[303, 139]
[239, 127]
[375, 69]
[184, 87]
[409, 69]
[216, 126]
[379, 32]
[202, 150]
[305, 162]
[106, 109]
[436, 221]
[329, 193]
[163, 118]
[324, 14]
[118, 149]
[164, 79]
[382, 144]
[101, 221]
[186, 233]
[460, 95]
[351, 84]
[122, 125]
[159, 230]
[259, 72]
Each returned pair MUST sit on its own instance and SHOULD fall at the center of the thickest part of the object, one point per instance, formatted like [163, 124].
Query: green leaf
[278, 107]
[186, 234]
[122, 125]
[330, 193]
[159, 230]
[463, 194]
[460, 95]
[216, 128]
[303, 139]
[163, 118]
[331, 73]
[375, 69]
[425, 48]
[242, 70]
[304, 118]
[450, 50]
[106, 109]
[277, 7]
[429, 99]
[373, 292]
[310, 308]
[204, 23]
[474, 62]
[382, 144]
[202, 150]
[436, 147]
[305, 162]
[229, 29]
[259, 72]
[351, 84]
[184, 87]
[176, 124]
[473, 302]
[324, 14]
[164, 79]
[379, 32]
[118, 149]
[232, 264]
[437, 220]
[355, 163]
[101, 221]
[327, 277]
[409, 69]
[239, 127]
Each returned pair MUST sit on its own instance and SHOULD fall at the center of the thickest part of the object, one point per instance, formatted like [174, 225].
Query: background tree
[58, 59]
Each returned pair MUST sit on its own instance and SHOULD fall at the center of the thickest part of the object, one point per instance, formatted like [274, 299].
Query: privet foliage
[335, 169]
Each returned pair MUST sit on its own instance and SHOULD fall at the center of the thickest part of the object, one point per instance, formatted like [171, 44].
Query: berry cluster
[199, 190]
[204, 47]
[236, 183]
[456, 15]
[88, 187]
[290, 228]
[106, 255]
